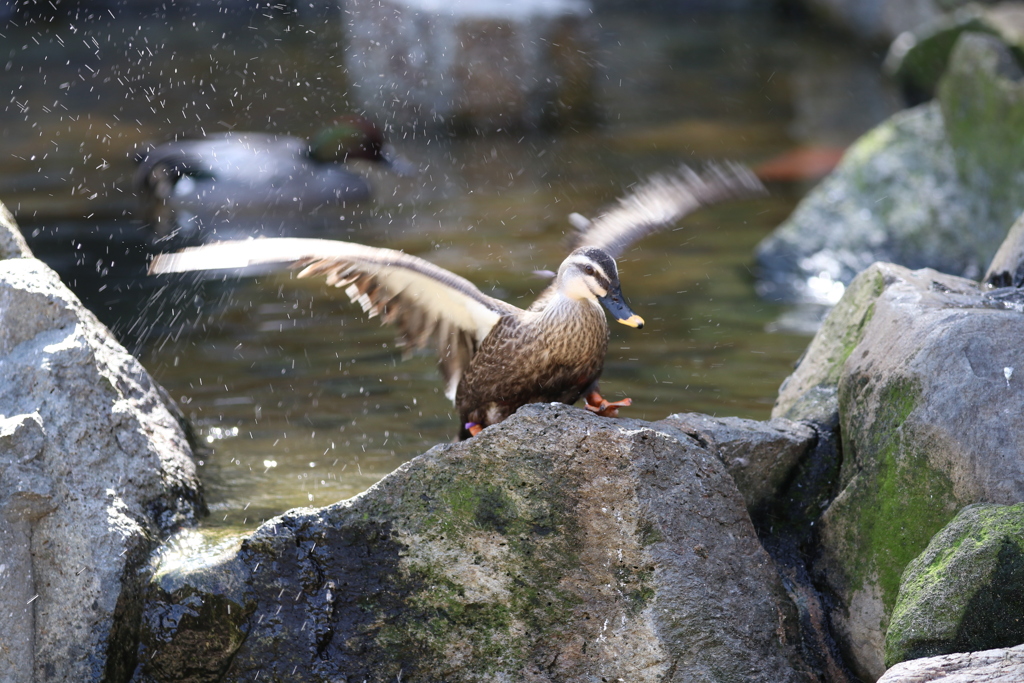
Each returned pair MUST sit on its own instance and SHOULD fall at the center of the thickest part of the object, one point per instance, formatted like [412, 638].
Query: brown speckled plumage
[555, 356]
[494, 356]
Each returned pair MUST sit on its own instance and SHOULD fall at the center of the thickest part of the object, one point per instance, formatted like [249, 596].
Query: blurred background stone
[472, 66]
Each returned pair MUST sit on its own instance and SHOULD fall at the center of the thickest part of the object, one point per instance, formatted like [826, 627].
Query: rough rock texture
[555, 546]
[965, 592]
[93, 468]
[932, 187]
[472, 65]
[991, 666]
[924, 372]
[760, 456]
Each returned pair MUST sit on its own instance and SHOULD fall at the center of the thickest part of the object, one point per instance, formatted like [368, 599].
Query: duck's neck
[565, 311]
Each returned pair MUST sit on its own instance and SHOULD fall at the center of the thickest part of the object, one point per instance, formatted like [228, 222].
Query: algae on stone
[936, 186]
[927, 399]
[965, 592]
[982, 98]
[554, 546]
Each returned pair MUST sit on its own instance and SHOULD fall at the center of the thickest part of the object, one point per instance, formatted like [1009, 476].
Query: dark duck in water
[229, 174]
[494, 356]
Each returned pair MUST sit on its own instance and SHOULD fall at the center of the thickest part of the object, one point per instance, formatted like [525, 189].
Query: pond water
[302, 401]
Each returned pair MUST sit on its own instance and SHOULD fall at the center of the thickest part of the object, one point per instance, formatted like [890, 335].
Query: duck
[495, 357]
[189, 183]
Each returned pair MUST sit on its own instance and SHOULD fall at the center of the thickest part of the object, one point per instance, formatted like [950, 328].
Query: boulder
[965, 592]
[1005, 665]
[759, 456]
[895, 196]
[94, 470]
[918, 57]
[471, 65]
[923, 372]
[554, 546]
[936, 186]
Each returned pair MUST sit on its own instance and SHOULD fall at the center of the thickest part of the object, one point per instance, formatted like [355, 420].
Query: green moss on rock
[896, 500]
[965, 592]
[982, 98]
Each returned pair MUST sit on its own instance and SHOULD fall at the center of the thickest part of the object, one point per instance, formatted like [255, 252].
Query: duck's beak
[616, 305]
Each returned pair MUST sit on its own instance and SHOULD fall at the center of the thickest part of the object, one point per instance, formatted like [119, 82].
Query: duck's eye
[589, 270]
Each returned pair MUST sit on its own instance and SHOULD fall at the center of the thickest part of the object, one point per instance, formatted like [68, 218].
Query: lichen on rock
[965, 592]
[556, 545]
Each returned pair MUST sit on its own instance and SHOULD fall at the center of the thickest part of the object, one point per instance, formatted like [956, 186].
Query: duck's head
[589, 273]
[353, 137]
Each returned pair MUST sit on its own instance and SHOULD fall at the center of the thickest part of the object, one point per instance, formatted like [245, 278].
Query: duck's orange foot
[595, 403]
[473, 428]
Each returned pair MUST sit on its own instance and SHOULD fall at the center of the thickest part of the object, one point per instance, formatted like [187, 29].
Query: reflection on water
[300, 399]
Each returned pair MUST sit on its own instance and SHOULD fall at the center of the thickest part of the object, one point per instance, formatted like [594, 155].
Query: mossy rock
[965, 592]
[554, 546]
[982, 98]
[896, 197]
[919, 58]
[924, 371]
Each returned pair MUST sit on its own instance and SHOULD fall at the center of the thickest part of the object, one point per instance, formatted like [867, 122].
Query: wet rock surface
[921, 369]
[94, 470]
[554, 546]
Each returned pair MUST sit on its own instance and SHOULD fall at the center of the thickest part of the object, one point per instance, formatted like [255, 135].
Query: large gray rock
[895, 196]
[937, 186]
[94, 469]
[481, 65]
[918, 57]
[923, 370]
[982, 98]
[555, 546]
[965, 592]
[760, 456]
[1004, 665]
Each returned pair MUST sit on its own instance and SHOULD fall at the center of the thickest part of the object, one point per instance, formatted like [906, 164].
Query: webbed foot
[596, 403]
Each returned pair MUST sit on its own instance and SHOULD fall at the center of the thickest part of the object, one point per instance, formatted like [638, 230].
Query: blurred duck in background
[192, 189]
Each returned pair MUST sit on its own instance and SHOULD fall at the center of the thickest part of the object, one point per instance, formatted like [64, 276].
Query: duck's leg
[596, 403]
[473, 428]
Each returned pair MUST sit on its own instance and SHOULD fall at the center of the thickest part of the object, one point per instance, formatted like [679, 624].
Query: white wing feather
[430, 305]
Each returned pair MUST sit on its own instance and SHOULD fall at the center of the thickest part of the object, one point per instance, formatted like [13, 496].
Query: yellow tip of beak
[633, 321]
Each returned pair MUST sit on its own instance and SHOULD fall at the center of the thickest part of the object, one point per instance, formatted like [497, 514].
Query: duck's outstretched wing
[428, 304]
[658, 203]
[662, 200]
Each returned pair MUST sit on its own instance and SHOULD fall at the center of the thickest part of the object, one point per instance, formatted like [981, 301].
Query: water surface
[300, 399]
